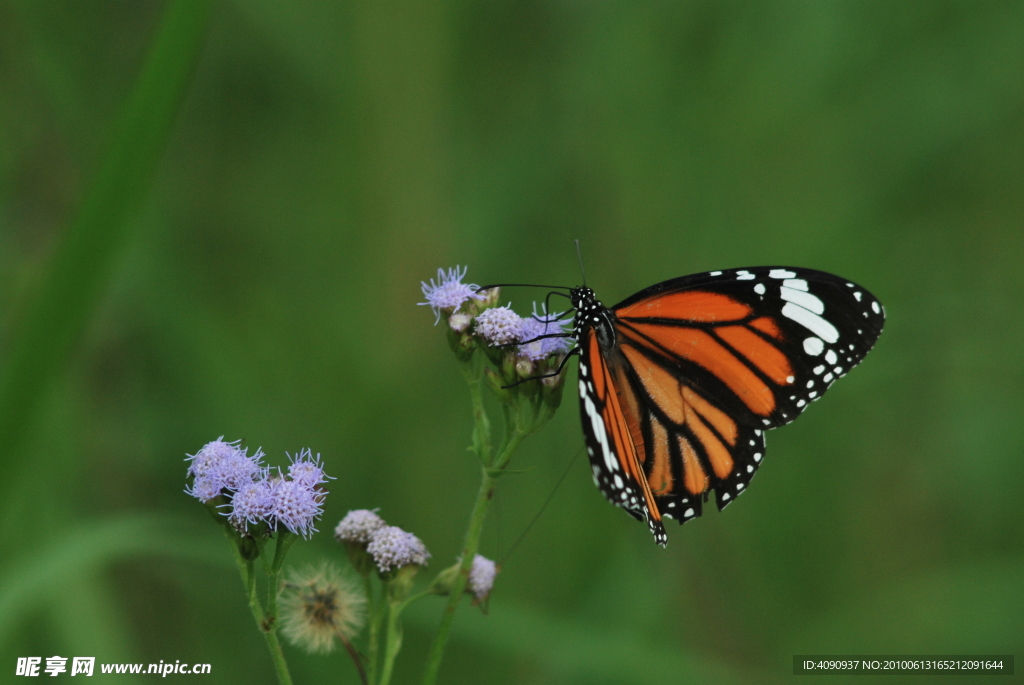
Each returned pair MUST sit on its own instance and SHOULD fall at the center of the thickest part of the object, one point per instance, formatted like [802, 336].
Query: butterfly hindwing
[687, 443]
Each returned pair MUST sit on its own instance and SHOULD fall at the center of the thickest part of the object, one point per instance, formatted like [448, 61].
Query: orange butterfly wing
[694, 370]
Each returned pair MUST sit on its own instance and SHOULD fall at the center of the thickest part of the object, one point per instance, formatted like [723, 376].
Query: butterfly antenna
[520, 285]
[580, 257]
[544, 506]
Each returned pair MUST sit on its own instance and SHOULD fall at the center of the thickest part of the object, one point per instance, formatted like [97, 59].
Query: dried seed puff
[316, 604]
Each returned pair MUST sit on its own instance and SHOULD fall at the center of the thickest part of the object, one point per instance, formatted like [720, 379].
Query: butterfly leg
[561, 365]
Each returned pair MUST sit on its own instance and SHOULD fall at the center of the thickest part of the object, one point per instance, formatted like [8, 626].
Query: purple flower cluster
[255, 495]
[221, 466]
[542, 323]
[496, 325]
[390, 546]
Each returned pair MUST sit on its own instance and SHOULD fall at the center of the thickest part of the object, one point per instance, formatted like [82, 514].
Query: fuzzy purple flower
[392, 547]
[307, 469]
[481, 577]
[204, 489]
[212, 455]
[252, 503]
[239, 470]
[499, 326]
[358, 526]
[297, 505]
[223, 465]
[449, 293]
[543, 324]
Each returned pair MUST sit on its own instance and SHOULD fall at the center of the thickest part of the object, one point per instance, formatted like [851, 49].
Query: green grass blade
[82, 262]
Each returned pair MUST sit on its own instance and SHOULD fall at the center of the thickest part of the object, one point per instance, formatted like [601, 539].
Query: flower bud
[442, 585]
[552, 390]
[495, 383]
[463, 343]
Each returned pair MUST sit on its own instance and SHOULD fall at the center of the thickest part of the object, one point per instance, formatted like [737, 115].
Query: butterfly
[679, 382]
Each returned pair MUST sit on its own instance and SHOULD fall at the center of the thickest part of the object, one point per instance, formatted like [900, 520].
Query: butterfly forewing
[761, 342]
[684, 378]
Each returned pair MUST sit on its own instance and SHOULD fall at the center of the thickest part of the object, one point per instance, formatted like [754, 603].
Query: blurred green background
[326, 157]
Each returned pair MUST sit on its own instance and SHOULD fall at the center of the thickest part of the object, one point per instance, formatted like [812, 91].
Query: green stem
[245, 568]
[394, 634]
[284, 543]
[473, 371]
[374, 638]
[476, 526]
[393, 641]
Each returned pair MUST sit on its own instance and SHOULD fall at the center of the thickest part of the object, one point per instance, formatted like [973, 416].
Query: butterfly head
[589, 313]
[584, 300]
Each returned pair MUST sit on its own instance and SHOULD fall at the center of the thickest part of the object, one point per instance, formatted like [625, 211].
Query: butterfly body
[679, 382]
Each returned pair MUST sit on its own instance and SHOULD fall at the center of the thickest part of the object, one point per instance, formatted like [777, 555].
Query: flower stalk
[477, 324]
[264, 621]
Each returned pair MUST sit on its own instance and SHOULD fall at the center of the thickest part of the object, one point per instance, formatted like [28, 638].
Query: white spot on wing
[805, 300]
[857, 295]
[597, 426]
[689, 512]
[830, 357]
[790, 379]
[813, 346]
[827, 378]
[875, 308]
[796, 284]
[781, 273]
[744, 276]
[757, 456]
[759, 288]
[819, 369]
[715, 273]
[811, 321]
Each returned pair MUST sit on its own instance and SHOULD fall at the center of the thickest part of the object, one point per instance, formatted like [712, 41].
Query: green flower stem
[476, 526]
[392, 643]
[284, 543]
[393, 640]
[375, 619]
[245, 568]
[474, 372]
